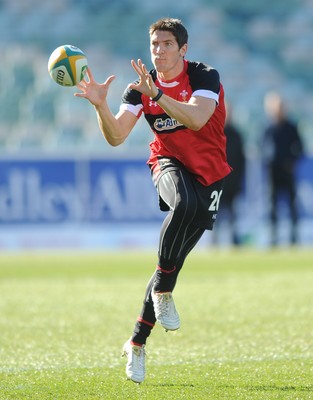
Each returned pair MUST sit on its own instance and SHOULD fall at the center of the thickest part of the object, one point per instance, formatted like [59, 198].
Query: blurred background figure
[282, 149]
[234, 181]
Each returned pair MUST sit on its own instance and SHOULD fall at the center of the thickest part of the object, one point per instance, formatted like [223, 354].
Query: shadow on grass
[173, 385]
[272, 388]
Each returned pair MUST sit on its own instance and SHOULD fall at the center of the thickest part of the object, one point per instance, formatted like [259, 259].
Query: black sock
[164, 279]
[142, 331]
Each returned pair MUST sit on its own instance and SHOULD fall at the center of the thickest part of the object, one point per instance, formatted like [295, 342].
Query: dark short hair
[173, 25]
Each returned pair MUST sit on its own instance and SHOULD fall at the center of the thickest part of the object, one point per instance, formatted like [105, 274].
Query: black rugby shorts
[208, 196]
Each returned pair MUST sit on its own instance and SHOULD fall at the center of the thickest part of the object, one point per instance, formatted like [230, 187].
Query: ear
[183, 50]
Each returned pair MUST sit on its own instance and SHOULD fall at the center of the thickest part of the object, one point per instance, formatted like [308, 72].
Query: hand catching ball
[67, 65]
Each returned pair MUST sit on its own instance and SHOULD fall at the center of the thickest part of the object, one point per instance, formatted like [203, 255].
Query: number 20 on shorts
[215, 196]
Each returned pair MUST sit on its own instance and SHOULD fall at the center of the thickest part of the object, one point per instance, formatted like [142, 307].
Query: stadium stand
[256, 46]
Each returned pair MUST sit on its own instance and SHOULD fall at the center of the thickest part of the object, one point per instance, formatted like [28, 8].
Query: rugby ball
[67, 65]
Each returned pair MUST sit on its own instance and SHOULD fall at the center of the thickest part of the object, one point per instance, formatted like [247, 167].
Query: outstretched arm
[115, 129]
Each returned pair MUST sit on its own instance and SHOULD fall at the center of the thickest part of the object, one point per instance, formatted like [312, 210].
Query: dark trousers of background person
[283, 182]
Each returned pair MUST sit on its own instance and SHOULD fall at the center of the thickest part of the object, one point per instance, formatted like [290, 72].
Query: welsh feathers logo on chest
[184, 96]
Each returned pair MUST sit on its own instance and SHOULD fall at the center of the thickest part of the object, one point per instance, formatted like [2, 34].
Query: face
[166, 57]
[274, 107]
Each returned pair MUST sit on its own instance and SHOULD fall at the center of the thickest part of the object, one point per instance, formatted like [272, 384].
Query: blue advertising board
[43, 191]
[87, 202]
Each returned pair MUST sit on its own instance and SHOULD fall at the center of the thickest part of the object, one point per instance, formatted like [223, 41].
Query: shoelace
[163, 305]
[139, 356]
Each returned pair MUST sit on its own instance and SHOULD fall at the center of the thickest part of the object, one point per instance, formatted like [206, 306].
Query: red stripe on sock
[136, 344]
[139, 319]
[166, 271]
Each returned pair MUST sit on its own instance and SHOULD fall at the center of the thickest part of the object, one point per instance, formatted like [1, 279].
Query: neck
[173, 73]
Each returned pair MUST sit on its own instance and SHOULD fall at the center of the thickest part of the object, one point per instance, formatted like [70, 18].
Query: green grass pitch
[247, 326]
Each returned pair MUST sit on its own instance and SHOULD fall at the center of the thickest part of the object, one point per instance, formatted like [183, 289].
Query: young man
[183, 102]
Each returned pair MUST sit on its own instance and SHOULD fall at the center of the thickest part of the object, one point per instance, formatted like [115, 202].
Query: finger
[142, 66]
[131, 86]
[144, 69]
[80, 94]
[82, 83]
[139, 64]
[110, 80]
[150, 79]
[81, 86]
[136, 67]
[90, 75]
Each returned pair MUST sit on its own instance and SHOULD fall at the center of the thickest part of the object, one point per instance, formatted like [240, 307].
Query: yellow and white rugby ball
[67, 65]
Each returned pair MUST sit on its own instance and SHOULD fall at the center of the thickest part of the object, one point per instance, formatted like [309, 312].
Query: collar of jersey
[168, 84]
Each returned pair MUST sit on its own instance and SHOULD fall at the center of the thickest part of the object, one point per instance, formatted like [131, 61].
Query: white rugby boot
[165, 311]
[135, 367]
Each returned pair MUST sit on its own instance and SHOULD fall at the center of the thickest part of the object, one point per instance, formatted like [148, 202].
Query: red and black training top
[202, 152]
